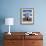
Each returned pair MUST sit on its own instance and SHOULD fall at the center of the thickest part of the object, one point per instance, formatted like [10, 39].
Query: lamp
[9, 21]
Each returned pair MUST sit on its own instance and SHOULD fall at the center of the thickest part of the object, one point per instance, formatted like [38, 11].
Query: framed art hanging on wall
[27, 15]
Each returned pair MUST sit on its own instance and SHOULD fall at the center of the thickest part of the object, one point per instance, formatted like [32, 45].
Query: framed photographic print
[27, 15]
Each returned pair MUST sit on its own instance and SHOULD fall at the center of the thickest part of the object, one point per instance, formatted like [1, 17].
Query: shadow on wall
[2, 21]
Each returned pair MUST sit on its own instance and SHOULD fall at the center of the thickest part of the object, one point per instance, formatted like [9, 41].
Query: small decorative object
[9, 21]
[27, 15]
[30, 33]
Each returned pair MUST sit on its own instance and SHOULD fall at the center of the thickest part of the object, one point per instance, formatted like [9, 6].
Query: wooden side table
[20, 39]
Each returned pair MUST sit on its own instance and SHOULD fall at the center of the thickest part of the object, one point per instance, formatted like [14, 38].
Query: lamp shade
[9, 21]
